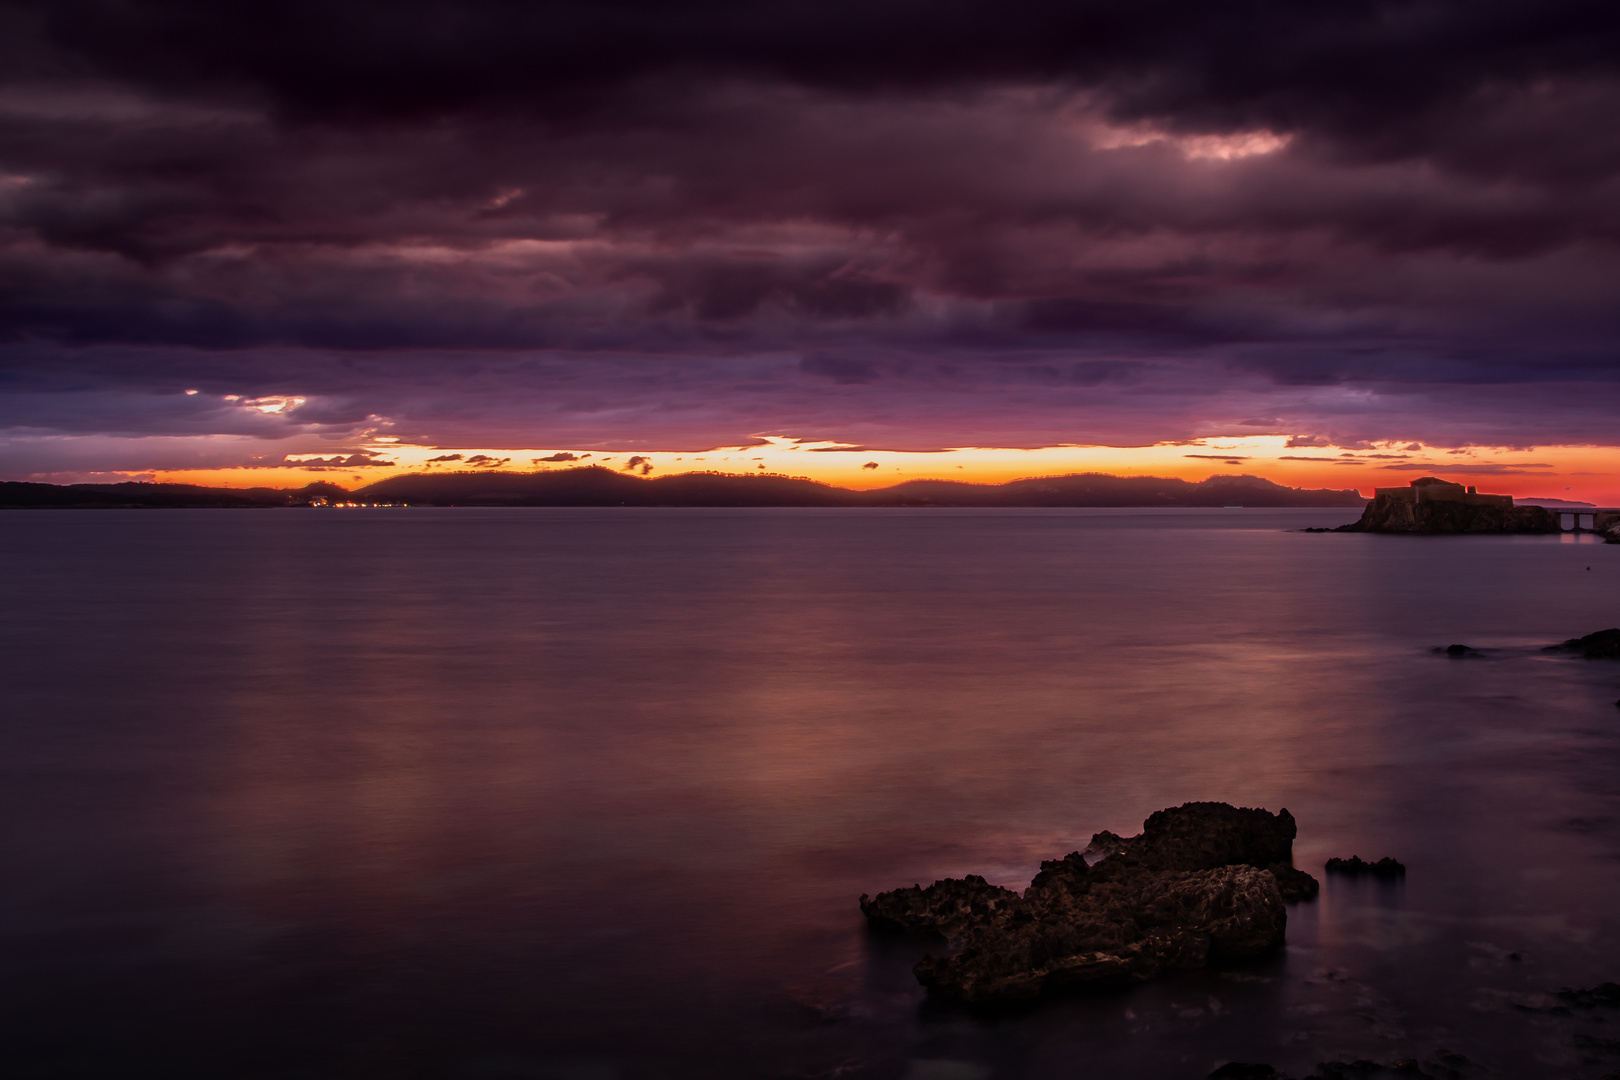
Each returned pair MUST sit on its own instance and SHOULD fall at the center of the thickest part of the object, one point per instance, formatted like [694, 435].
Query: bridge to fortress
[1582, 519]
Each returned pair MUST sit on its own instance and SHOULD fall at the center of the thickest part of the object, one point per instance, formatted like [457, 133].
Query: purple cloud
[679, 227]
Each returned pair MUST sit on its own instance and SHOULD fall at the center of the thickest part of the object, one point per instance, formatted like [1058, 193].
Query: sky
[1334, 244]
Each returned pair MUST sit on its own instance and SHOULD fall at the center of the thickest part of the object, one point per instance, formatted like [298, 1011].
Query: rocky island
[1204, 883]
[1601, 645]
[1435, 506]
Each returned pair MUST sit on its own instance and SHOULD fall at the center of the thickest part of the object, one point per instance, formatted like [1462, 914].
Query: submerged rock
[1202, 884]
[1459, 651]
[1602, 645]
[1385, 867]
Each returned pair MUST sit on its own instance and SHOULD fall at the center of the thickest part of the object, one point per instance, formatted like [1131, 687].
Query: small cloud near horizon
[359, 459]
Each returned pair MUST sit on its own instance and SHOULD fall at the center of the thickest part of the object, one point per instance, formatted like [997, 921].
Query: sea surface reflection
[592, 793]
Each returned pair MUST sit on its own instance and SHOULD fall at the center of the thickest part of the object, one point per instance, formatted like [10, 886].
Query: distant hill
[1101, 489]
[134, 495]
[1551, 504]
[598, 486]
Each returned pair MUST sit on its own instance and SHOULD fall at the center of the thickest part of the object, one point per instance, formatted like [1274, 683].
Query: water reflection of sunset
[617, 769]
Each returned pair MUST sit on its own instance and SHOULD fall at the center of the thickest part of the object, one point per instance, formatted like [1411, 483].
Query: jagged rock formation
[1602, 645]
[1203, 883]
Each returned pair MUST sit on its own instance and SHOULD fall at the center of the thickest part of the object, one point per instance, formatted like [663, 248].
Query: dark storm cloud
[899, 222]
[1350, 67]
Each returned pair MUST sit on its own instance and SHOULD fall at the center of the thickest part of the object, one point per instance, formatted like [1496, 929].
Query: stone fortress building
[1427, 489]
[1432, 505]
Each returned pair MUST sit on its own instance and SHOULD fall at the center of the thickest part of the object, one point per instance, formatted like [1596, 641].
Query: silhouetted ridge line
[598, 486]
[133, 495]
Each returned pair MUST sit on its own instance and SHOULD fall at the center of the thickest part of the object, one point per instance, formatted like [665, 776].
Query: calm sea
[591, 794]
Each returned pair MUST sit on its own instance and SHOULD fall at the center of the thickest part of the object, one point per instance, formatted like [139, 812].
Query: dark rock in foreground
[1602, 645]
[1354, 865]
[1459, 651]
[1203, 883]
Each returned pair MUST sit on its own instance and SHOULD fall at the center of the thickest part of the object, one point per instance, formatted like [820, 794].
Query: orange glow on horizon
[1583, 473]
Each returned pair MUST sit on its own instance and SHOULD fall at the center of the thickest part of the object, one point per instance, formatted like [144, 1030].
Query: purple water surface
[591, 794]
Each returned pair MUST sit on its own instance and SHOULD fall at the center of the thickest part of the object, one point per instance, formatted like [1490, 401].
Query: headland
[1432, 506]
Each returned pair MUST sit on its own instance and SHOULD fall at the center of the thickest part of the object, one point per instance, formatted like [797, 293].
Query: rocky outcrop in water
[1602, 645]
[1356, 866]
[1202, 884]
[1392, 514]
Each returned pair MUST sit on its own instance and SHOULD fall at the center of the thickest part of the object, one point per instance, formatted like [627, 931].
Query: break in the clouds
[682, 224]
